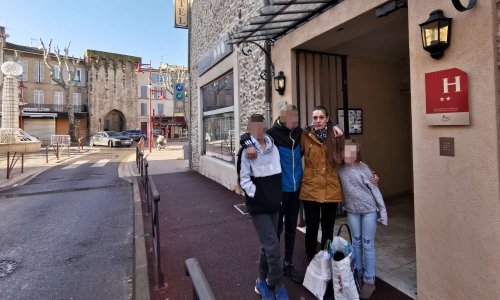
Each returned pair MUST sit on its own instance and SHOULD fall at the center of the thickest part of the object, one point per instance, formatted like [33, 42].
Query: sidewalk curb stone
[141, 280]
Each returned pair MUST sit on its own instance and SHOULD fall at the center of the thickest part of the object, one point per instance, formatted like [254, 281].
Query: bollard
[47, 153]
[57, 151]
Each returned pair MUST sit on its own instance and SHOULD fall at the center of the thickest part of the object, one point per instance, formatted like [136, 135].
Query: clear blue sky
[132, 27]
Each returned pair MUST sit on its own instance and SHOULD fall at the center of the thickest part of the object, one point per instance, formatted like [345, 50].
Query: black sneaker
[292, 274]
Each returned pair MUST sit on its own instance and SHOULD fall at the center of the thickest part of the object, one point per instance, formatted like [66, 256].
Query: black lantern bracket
[247, 51]
[459, 6]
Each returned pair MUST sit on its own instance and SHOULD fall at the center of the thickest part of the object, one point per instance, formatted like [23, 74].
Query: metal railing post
[201, 288]
[155, 197]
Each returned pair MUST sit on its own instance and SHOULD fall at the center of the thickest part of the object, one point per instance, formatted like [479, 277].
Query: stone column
[10, 95]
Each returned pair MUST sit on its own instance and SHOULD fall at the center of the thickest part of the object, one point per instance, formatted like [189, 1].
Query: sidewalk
[36, 163]
[197, 219]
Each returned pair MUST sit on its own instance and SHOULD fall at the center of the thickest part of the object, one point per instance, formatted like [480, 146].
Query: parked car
[135, 134]
[110, 139]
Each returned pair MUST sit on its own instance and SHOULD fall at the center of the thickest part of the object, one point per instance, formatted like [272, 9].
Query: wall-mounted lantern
[436, 33]
[280, 83]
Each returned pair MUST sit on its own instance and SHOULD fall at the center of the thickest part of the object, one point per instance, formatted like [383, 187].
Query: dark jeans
[270, 265]
[290, 204]
[315, 213]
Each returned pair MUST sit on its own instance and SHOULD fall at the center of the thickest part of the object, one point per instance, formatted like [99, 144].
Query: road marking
[100, 163]
[75, 164]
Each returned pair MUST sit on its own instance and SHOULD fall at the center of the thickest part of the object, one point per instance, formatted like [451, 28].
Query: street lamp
[140, 69]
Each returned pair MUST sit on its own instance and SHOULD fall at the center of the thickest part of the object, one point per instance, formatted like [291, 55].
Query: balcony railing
[34, 107]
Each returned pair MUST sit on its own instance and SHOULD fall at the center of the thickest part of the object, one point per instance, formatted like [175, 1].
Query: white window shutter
[41, 71]
[37, 71]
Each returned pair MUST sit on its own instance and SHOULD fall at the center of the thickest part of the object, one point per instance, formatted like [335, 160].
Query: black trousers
[315, 213]
[290, 204]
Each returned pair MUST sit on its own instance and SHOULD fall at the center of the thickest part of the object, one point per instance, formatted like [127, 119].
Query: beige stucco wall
[457, 199]
[386, 138]
[457, 203]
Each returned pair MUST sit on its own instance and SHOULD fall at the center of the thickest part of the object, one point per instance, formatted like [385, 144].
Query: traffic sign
[179, 95]
[179, 87]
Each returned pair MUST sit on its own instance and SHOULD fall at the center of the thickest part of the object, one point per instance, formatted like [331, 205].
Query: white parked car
[110, 139]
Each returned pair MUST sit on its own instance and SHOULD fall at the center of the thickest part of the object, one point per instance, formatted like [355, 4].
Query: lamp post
[140, 69]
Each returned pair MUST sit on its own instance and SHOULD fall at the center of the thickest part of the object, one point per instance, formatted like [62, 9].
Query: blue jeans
[363, 228]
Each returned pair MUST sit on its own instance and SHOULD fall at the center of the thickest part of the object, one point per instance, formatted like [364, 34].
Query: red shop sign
[447, 97]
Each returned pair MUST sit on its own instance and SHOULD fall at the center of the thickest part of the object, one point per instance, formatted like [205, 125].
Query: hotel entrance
[360, 72]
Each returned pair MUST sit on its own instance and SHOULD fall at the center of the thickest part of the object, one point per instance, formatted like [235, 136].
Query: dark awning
[276, 20]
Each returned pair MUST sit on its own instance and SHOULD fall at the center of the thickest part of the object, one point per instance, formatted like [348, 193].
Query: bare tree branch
[61, 81]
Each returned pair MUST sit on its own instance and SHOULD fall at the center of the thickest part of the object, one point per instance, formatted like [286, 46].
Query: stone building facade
[112, 91]
[207, 33]
[45, 112]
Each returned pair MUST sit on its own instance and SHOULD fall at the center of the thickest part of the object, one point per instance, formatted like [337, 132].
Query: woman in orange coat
[320, 189]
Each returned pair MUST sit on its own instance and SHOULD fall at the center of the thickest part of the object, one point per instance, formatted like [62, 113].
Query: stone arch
[115, 121]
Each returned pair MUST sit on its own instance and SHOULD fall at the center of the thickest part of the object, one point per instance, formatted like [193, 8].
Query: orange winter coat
[320, 182]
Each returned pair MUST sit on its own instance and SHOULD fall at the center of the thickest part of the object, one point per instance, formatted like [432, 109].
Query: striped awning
[276, 20]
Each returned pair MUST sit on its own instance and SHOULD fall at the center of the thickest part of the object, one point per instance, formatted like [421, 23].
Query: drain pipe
[190, 123]
[268, 87]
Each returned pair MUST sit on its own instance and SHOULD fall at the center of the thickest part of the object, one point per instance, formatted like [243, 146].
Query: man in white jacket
[260, 179]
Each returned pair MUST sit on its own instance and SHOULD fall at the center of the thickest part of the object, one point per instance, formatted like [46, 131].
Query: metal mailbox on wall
[447, 97]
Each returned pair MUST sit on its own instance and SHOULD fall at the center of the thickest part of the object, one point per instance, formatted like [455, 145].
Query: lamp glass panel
[430, 33]
[281, 83]
[443, 34]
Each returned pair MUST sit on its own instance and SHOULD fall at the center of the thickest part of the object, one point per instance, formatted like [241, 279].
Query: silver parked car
[110, 139]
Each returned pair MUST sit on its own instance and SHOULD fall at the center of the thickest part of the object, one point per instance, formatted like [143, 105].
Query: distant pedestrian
[260, 178]
[141, 144]
[365, 206]
[80, 143]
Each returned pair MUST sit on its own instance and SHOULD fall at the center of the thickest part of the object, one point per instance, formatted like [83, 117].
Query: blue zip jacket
[288, 143]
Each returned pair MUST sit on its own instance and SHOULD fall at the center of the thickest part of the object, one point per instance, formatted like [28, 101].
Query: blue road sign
[179, 87]
[179, 95]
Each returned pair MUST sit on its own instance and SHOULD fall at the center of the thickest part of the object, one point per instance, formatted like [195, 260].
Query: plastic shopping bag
[342, 267]
[318, 274]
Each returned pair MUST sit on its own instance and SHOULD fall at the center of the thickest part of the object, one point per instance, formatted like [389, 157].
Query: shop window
[218, 118]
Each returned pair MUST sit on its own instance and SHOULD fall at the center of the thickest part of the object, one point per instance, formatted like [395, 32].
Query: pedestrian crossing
[99, 164]
[75, 164]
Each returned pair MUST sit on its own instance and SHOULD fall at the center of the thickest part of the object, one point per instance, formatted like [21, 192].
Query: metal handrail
[201, 288]
[152, 199]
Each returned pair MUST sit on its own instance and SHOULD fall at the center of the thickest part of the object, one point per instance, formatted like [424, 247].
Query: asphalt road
[67, 234]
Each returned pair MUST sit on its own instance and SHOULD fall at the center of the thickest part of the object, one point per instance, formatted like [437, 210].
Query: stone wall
[206, 29]
[112, 85]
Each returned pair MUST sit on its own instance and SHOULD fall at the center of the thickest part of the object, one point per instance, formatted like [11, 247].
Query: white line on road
[75, 164]
[100, 163]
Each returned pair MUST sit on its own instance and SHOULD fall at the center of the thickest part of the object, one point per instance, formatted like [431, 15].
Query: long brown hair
[334, 146]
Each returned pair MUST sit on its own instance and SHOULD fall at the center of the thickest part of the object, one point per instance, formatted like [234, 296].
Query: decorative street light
[141, 68]
[436, 33]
